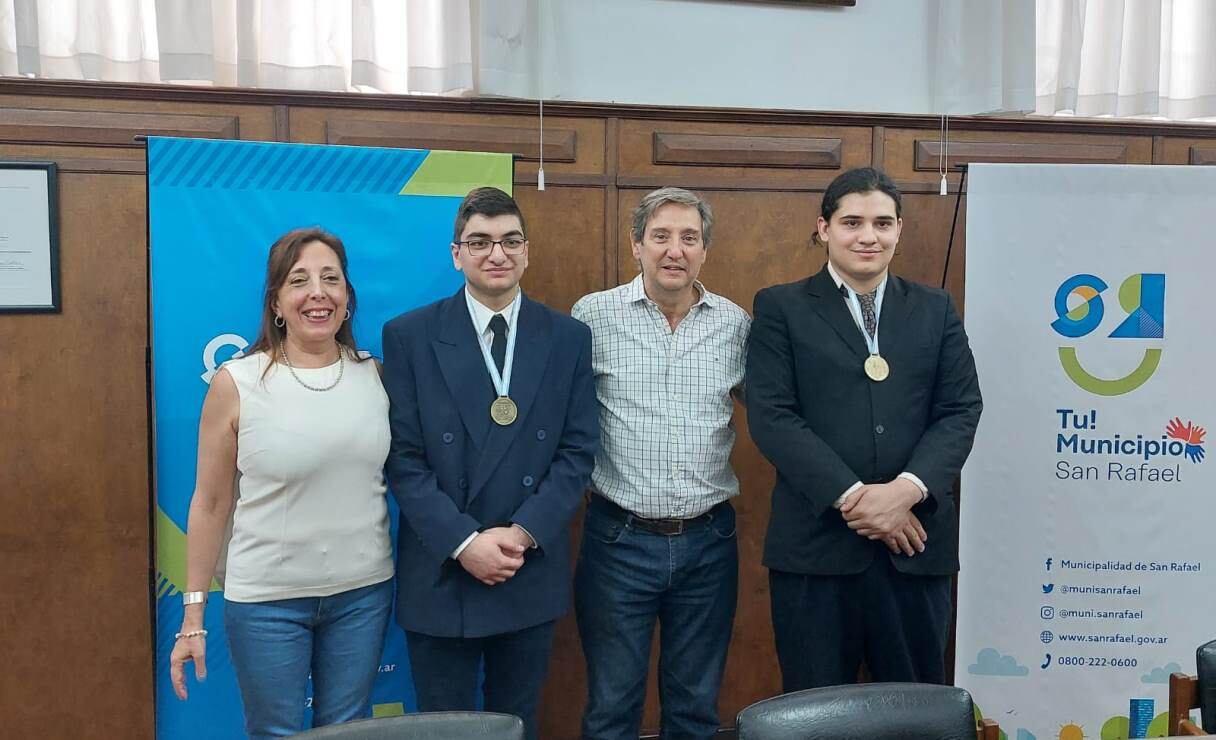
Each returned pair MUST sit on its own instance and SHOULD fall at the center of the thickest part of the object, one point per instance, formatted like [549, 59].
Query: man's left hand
[910, 541]
[880, 510]
[522, 538]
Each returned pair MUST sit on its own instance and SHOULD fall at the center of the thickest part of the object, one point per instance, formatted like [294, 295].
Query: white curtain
[516, 54]
[1126, 58]
[393, 46]
[982, 56]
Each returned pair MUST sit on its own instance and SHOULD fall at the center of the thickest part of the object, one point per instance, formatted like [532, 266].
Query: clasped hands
[883, 511]
[495, 554]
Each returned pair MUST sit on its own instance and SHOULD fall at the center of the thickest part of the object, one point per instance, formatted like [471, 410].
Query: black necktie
[868, 319]
[498, 348]
[867, 312]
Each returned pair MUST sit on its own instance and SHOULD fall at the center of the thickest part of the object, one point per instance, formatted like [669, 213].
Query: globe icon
[1046, 636]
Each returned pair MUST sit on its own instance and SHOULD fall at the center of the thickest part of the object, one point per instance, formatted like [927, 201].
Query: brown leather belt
[666, 527]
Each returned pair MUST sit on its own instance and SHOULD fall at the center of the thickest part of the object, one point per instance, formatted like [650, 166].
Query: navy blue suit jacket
[454, 471]
[824, 425]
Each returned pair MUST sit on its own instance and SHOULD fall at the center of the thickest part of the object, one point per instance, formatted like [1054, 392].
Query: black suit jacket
[824, 425]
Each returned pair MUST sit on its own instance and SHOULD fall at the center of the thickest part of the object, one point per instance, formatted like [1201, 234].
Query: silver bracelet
[191, 633]
[194, 597]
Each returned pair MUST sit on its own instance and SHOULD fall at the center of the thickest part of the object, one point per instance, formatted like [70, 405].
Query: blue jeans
[629, 579]
[275, 644]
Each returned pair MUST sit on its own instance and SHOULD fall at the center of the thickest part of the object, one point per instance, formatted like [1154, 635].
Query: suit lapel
[531, 358]
[893, 322]
[828, 302]
[464, 370]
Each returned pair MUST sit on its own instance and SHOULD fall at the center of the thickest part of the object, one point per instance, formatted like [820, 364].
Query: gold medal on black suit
[503, 411]
[877, 368]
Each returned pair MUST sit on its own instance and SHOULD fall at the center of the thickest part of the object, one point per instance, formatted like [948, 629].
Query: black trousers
[445, 671]
[826, 625]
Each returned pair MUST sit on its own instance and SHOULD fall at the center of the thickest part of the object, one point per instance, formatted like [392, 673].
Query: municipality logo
[211, 353]
[1190, 435]
[1079, 312]
[1078, 434]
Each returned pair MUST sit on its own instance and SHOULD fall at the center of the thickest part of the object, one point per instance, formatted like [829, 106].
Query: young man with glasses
[494, 433]
[659, 540]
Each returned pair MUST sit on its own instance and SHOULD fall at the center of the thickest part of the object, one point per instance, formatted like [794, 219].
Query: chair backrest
[874, 711]
[1183, 698]
[1189, 692]
[425, 726]
[1205, 660]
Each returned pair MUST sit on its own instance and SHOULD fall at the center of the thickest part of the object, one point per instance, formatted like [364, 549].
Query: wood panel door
[76, 612]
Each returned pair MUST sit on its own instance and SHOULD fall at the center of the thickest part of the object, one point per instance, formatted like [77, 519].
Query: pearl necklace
[341, 368]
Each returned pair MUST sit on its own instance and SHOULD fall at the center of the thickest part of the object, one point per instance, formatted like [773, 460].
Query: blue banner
[214, 209]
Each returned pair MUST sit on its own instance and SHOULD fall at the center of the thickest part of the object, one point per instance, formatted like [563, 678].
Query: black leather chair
[425, 726]
[1189, 692]
[872, 711]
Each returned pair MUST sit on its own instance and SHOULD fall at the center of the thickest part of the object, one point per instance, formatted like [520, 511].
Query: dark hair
[284, 253]
[488, 202]
[859, 180]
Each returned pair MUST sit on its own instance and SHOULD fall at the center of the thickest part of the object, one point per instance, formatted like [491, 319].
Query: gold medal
[503, 411]
[877, 368]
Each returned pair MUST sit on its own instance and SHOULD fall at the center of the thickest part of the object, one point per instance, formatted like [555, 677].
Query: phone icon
[1046, 661]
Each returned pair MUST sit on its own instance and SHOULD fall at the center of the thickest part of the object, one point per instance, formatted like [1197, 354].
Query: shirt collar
[637, 292]
[481, 314]
[840, 281]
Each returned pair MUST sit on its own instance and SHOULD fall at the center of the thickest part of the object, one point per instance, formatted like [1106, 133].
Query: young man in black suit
[862, 392]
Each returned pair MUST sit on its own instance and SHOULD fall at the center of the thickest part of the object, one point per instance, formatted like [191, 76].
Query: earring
[347, 315]
[279, 321]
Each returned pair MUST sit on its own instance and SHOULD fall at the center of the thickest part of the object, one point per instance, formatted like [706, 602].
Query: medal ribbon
[855, 309]
[502, 383]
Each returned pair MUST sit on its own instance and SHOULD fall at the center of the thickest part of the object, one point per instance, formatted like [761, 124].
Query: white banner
[1087, 546]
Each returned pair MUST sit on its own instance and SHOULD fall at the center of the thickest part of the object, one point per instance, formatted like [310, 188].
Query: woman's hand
[184, 650]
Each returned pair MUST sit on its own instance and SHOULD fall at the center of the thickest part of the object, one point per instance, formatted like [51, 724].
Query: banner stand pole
[142, 140]
[962, 183]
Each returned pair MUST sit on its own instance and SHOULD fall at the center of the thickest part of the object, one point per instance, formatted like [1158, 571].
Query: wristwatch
[194, 597]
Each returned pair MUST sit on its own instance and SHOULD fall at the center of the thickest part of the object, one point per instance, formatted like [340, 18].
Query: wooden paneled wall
[75, 633]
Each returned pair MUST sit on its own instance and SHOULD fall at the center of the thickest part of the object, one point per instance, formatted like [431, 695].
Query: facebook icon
[1049, 564]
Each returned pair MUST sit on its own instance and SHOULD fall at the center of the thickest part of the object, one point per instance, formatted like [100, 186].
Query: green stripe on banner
[391, 709]
[171, 552]
[456, 173]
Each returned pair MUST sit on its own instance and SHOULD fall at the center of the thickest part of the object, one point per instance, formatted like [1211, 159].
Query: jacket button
[527, 480]
[463, 484]
[540, 434]
[448, 437]
[880, 429]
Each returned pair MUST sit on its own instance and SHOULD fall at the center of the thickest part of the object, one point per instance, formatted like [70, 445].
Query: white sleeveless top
[311, 518]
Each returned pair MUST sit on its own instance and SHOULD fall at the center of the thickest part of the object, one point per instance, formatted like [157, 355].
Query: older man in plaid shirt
[659, 541]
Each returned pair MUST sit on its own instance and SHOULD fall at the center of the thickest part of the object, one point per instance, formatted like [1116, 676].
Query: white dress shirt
[481, 315]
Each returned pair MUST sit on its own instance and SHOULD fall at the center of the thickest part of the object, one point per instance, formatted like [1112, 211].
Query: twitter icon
[1048, 587]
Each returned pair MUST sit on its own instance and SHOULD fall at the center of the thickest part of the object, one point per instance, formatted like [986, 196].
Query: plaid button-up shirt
[666, 431]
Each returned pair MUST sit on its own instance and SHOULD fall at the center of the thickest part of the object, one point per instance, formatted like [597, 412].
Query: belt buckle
[664, 527]
[679, 527]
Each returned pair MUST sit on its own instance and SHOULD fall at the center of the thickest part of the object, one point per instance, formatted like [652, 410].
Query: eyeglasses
[480, 247]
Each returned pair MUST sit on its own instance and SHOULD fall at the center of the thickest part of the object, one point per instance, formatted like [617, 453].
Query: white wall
[875, 56]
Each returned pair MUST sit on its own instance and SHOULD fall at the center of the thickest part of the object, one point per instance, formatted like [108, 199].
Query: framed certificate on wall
[841, 3]
[29, 238]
